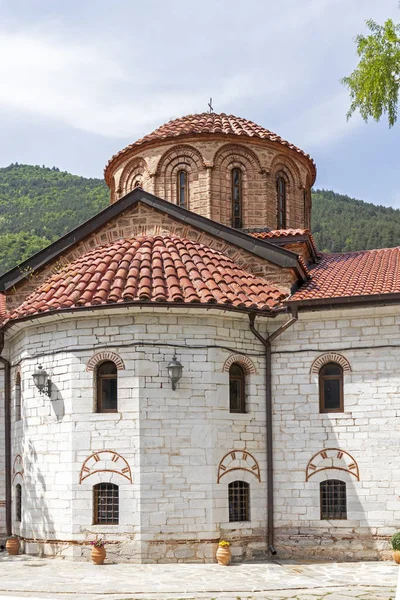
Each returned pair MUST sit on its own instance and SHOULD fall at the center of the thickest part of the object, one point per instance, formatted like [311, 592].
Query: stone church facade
[280, 434]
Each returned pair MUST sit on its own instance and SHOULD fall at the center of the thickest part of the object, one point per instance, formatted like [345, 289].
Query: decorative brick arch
[105, 461]
[332, 458]
[18, 467]
[135, 170]
[283, 163]
[186, 158]
[238, 460]
[245, 362]
[330, 357]
[227, 158]
[102, 357]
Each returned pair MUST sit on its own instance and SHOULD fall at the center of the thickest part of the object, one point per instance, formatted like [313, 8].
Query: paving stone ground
[29, 577]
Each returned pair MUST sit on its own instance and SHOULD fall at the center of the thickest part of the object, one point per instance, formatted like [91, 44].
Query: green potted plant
[98, 552]
[12, 545]
[223, 553]
[395, 541]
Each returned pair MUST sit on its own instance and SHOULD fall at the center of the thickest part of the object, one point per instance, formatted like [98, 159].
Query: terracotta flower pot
[396, 556]
[223, 555]
[12, 545]
[98, 555]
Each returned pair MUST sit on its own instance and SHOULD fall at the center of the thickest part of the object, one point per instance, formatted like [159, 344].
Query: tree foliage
[343, 224]
[38, 205]
[374, 84]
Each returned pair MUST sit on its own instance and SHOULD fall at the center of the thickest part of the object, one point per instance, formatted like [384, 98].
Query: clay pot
[223, 555]
[396, 556]
[98, 555]
[12, 545]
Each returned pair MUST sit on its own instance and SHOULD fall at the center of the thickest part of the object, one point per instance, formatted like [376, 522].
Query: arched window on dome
[281, 198]
[237, 399]
[107, 394]
[137, 183]
[331, 388]
[182, 189]
[237, 198]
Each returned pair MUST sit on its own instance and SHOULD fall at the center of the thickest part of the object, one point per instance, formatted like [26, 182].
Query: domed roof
[151, 269]
[207, 123]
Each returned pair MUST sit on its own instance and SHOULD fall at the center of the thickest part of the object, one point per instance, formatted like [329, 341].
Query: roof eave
[343, 302]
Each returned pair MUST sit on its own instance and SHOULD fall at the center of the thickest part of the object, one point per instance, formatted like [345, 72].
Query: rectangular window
[333, 499]
[239, 501]
[105, 504]
[18, 502]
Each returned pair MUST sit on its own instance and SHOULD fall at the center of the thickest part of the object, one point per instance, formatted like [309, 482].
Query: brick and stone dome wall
[208, 147]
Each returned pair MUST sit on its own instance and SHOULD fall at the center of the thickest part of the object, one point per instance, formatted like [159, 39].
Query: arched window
[107, 401]
[281, 195]
[137, 183]
[239, 501]
[105, 504]
[18, 397]
[237, 400]
[183, 189]
[18, 502]
[333, 499]
[331, 388]
[237, 198]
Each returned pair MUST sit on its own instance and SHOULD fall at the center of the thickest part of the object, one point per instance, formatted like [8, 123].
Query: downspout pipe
[7, 433]
[268, 417]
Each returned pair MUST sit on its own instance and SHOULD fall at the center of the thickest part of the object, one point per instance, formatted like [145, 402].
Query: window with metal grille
[333, 499]
[236, 198]
[331, 388]
[239, 501]
[105, 504]
[237, 401]
[18, 397]
[18, 502]
[107, 401]
[281, 193]
[183, 189]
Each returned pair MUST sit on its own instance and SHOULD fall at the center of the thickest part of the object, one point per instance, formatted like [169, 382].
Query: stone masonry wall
[2, 462]
[364, 439]
[166, 450]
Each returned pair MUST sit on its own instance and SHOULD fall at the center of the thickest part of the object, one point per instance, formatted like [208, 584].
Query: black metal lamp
[42, 381]
[175, 369]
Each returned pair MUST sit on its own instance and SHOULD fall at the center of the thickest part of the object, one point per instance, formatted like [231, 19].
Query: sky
[80, 80]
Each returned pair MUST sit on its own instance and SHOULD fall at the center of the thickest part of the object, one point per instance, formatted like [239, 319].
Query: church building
[186, 367]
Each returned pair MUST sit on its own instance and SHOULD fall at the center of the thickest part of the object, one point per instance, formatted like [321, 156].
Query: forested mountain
[38, 205]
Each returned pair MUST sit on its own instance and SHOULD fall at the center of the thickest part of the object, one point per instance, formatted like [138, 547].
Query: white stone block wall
[173, 508]
[368, 429]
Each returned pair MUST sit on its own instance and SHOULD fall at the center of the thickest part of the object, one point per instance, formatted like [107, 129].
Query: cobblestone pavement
[35, 578]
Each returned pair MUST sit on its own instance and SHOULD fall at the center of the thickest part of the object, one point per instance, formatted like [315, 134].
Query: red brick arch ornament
[245, 362]
[320, 361]
[102, 357]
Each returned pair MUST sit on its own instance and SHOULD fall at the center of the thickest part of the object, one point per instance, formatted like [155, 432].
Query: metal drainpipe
[268, 414]
[7, 433]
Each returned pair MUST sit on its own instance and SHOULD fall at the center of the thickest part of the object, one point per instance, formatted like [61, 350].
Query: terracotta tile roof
[352, 274]
[151, 269]
[206, 123]
[283, 233]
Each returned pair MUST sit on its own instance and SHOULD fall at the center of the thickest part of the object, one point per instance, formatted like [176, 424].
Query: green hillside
[38, 205]
[341, 224]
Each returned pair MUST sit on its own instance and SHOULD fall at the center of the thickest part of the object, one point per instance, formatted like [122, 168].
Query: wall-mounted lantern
[42, 381]
[175, 369]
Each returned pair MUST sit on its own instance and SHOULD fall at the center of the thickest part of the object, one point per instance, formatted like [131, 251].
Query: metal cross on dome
[210, 106]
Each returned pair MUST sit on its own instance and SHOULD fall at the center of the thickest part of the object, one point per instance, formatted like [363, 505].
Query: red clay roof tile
[364, 273]
[206, 123]
[153, 269]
